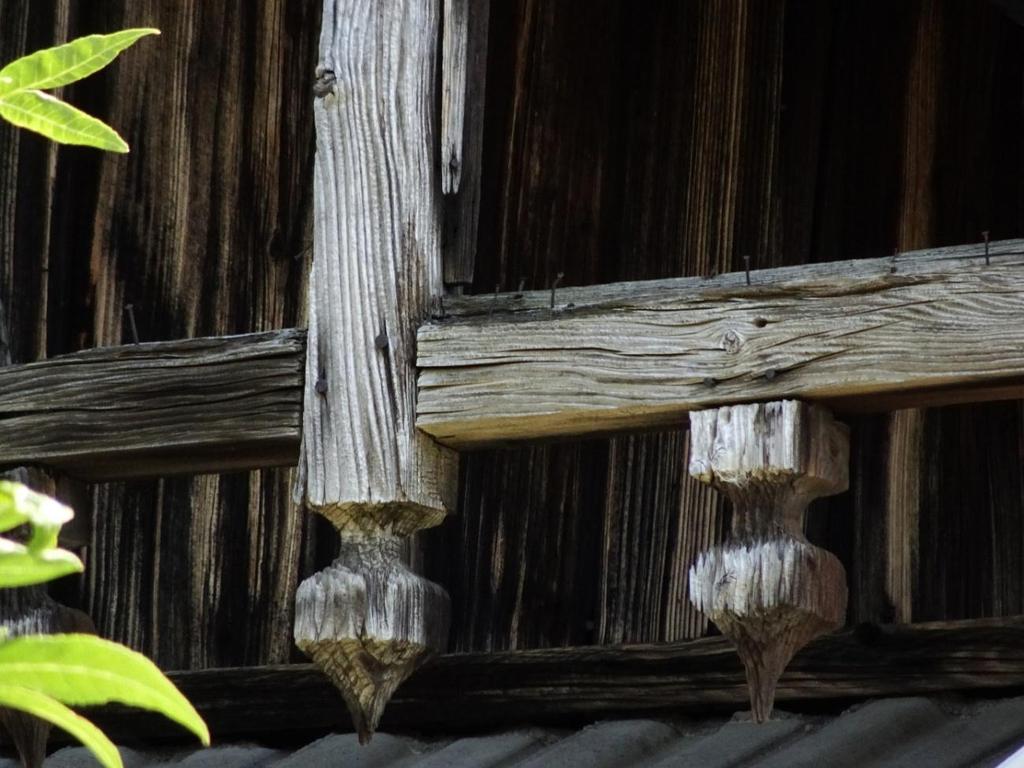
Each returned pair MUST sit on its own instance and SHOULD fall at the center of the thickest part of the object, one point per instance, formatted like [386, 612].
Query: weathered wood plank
[640, 355]
[367, 620]
[462, 208]
[486, 690]
[454, 69]
[205, 229]
[199, 405]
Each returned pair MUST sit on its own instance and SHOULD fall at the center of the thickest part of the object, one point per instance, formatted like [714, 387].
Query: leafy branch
[24, 103]
[42, 674]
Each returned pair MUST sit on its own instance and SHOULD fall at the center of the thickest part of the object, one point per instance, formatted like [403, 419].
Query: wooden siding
[204, 229]
[623, 141]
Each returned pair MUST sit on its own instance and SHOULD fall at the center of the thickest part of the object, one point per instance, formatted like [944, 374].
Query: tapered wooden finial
[767, 588]
[367, 620]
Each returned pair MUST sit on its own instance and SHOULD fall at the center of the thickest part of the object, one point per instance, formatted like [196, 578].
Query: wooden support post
[767, 588]
[367, 620]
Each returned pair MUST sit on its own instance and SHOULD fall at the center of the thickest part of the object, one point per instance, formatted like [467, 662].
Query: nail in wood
[985, 235]
[746, 263]
[519, 290]
[130, 309]
[554, 287]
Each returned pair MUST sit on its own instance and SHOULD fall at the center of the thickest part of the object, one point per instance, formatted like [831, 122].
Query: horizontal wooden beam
[942, 328]
[929, 327]
[199, 405]
[465, 692]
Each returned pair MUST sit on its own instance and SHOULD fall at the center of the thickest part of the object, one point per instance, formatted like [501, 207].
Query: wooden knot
[732, 342]
[324, 84]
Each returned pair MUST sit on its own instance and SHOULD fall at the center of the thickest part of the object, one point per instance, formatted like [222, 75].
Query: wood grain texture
[652, 529]
[640, 355]
[161, 408]
[609, 126]
[368, 620]
[28, 166]
[518, 509]
[477, 691]
[204, 228]
[454, 78]
[462, 209]
[766, 587]
[902, 464]
[377, 262]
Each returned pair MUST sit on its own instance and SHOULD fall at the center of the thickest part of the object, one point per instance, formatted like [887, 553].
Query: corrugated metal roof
[895, 733]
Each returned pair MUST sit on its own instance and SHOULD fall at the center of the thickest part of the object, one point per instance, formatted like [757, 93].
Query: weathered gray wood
[241, 396]
[453, 91]
[767, 588]
[462, 209]
[199, 405]
[376, 260]
[563, 685]
[369, 606]
[376, 267]
[641, 355]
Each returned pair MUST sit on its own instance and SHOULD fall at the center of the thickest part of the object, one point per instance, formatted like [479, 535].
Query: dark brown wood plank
[205, 227]
[199, 405]
[472, 691]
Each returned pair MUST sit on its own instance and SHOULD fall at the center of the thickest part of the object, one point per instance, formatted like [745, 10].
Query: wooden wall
[203, 228]
[623, 141]
[646, 140]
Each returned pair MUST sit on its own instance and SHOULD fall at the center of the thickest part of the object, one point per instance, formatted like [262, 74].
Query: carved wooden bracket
[367, 620]
[767, 588]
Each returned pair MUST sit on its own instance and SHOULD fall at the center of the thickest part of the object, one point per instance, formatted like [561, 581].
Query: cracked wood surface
[211, 404]
[860, 335]
[624, 356]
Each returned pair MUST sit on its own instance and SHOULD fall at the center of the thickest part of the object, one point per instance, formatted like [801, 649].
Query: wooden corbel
[767, 588]
[367, 620]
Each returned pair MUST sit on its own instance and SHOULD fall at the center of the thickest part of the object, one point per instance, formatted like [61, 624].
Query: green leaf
[45, 708]
[20, 504]
[83, 670]
[20, 566]
[64, 64]
[58, 120]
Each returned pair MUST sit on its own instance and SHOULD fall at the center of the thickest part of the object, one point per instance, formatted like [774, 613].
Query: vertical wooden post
[368, 621]
[767, 588]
